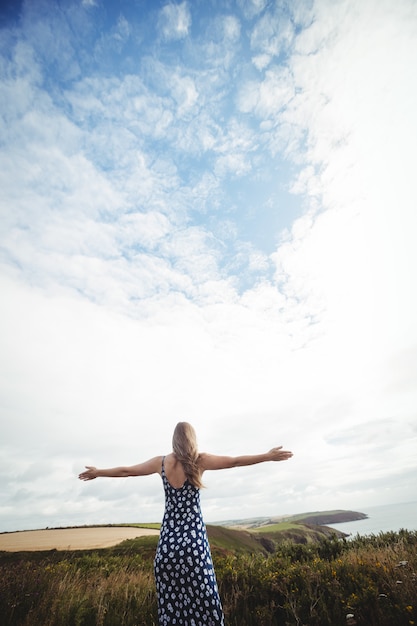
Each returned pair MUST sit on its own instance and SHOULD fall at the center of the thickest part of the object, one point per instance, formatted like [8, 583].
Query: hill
[267, 538]
[224, 541]
[316, 518]
[328, 517]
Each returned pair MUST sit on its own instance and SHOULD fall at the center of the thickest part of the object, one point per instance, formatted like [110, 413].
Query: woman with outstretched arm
[184, 574]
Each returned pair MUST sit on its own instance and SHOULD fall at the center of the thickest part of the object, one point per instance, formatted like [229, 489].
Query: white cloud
[231, 28]
[272, 33]
[261, 61]
[185, 94]
[236, 164]
[267, 98]
[364, 155]
[251, 8]
[174, 21]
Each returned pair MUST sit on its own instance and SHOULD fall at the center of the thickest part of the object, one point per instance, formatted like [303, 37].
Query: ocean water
[382, 519]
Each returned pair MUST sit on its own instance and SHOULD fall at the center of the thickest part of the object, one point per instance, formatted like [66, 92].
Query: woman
[184, 574]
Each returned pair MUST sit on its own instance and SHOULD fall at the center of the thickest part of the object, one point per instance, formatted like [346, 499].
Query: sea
[382, 519]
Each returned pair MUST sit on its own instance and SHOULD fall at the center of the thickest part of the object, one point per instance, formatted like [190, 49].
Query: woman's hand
[90, 474]
[278, 454]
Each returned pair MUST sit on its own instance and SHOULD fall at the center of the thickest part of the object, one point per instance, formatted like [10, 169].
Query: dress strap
[163, 466]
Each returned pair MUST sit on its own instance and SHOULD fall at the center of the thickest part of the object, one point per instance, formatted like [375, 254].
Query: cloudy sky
[208, 213]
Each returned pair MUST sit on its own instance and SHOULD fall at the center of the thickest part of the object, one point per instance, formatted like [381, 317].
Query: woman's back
[184, 573]
[174, 471]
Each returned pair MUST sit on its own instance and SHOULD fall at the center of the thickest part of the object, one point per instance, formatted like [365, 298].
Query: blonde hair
[184, 446]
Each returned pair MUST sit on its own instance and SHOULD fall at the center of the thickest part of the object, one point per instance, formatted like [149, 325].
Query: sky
[207, 213]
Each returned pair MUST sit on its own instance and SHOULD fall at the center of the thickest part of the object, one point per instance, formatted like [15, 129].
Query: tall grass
[92, 590]
[372, 579]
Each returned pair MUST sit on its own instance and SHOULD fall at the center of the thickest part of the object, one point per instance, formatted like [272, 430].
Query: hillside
[268, 537]
[225, 541]
[317, 518]
[328, 517]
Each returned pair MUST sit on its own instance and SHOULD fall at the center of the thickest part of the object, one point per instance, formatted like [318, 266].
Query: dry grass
[70, 538]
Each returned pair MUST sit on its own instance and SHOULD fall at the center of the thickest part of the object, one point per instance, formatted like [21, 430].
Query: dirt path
[70, 538]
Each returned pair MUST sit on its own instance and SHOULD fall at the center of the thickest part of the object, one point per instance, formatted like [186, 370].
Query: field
[263, 580]
[71, 538]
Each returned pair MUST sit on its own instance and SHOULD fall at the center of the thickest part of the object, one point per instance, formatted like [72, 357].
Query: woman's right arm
[215, 462]
[153, 466]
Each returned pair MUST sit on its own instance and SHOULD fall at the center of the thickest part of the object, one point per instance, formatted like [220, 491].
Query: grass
[327, 517]
[314, 583]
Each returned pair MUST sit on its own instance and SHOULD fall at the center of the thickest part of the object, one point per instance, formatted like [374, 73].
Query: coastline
[382, 518]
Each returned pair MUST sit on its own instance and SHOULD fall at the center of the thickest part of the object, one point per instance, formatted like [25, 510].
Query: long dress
[184, 573]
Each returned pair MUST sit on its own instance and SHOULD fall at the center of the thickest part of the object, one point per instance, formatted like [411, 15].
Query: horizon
[224, 521]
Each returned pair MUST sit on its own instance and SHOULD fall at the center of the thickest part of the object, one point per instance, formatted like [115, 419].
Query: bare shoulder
[151, 466]
[170, 461]
[202, 459]
[214, 461]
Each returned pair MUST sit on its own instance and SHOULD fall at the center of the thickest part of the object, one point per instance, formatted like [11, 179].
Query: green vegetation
[327, 517]
[274, 534]
[315, 518]
[282, 527]
[152, 525]
[316, 583]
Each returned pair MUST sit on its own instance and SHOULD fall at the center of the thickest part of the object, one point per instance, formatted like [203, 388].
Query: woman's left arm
[215, 462]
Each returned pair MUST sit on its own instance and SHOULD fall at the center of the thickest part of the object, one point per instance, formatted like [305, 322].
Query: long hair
[184, 446]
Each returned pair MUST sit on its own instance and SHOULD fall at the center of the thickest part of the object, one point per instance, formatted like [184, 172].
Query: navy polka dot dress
[184, 574]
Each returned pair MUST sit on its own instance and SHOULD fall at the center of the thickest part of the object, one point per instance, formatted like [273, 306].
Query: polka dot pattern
[184, 574]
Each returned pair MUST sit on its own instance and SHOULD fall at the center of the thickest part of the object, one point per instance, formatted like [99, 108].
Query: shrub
[373, 578]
